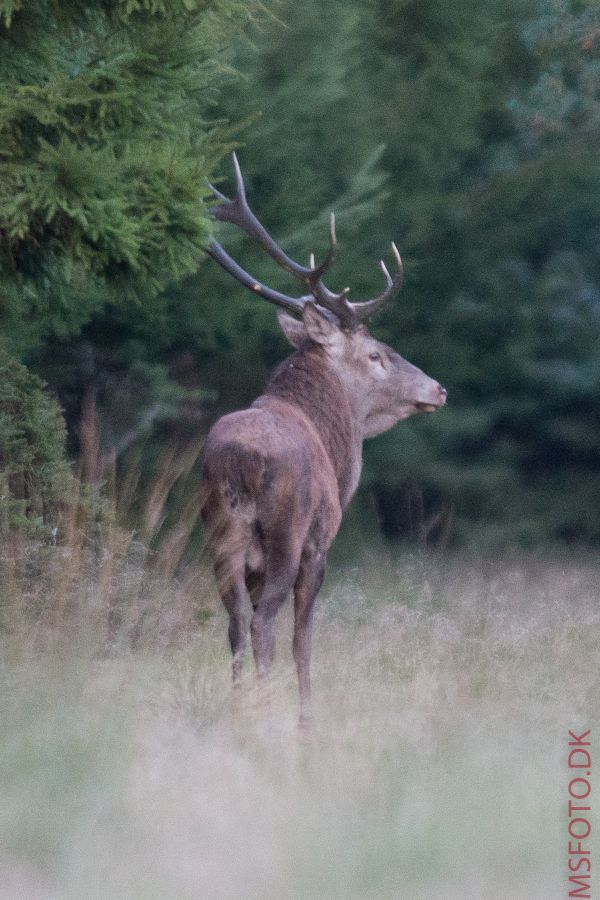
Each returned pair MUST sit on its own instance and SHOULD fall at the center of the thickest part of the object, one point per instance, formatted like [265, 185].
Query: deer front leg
[310, 578]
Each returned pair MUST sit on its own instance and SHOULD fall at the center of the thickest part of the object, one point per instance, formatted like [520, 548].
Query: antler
[350, 315]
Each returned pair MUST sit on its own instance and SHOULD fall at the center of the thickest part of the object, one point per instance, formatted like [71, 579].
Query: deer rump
[270, 491]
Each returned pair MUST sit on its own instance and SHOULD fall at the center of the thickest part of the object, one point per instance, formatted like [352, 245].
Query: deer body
[278, 475]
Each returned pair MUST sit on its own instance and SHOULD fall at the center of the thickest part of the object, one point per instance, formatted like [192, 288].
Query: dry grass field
[436, 768]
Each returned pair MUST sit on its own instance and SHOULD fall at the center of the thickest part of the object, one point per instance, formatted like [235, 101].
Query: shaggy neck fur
[306, 380]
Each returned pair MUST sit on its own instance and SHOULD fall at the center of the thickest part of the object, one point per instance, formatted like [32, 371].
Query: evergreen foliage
[35, 478]
[107, 136]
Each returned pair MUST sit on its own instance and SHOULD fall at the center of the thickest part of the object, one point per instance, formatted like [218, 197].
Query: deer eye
[376, 357]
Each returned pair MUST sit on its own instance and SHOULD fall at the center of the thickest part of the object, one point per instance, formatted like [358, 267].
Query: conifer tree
[108, 132]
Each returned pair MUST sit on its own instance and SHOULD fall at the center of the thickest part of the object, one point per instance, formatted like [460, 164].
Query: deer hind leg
[234, 595]
[268, 593]
[306, 588]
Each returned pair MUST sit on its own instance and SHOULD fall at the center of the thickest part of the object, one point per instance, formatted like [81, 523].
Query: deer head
[383, 386]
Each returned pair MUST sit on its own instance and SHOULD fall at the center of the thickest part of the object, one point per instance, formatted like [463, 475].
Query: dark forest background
[467, 131]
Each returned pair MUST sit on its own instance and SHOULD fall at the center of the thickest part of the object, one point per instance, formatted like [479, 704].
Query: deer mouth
[426, 407]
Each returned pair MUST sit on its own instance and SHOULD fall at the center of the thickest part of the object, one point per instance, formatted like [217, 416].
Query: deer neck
[308, 382]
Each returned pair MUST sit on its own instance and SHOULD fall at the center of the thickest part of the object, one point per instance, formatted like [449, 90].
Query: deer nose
[442, 392]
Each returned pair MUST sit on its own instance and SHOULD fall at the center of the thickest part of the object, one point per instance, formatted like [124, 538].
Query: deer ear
[319, 328]
[294, 330]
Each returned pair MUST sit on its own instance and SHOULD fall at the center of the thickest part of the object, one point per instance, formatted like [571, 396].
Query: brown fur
[305, 380]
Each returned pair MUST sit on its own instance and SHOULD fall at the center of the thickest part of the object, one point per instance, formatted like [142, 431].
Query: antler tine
[237, 212]
[351, 315]
[328, 300]
[319, 271]
[239, 178]
[363, 310]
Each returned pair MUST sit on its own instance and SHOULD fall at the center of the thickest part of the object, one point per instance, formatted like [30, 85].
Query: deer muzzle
[439, 398]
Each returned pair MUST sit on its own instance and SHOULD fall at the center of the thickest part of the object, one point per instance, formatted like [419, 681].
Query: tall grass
[436, 767]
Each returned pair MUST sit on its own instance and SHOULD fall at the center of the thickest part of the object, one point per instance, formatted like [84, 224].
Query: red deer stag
[278, 475]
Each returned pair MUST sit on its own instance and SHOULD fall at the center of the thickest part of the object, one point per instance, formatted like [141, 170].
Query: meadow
[436, 766]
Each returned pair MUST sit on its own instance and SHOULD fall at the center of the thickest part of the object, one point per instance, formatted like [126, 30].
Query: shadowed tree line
[465, 131]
